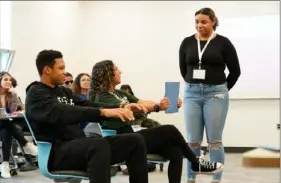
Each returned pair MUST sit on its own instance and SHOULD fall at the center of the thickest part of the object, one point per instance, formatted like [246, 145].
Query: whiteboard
[256, 40]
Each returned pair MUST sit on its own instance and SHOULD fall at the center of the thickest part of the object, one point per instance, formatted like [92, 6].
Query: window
[6, 54]
[6, 58]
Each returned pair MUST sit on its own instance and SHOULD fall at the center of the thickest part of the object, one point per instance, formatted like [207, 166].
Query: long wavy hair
[77, 83]
[102, 75]
[8, 93]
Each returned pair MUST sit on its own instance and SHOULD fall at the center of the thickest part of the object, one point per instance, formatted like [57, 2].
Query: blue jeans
[205, 106]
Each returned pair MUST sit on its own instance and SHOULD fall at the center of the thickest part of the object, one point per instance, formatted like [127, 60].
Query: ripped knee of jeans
[194, 144]
[214, 145]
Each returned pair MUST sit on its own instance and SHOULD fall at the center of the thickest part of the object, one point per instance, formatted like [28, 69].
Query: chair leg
[161, 165]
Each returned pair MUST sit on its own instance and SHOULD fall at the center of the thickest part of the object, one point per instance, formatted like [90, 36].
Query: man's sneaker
[5, 170]
[206, 167]
[30, 148]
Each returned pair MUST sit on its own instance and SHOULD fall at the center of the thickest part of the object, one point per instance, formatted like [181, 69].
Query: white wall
[130, 33]
[149, 33]
[5, 24]
[43, 25]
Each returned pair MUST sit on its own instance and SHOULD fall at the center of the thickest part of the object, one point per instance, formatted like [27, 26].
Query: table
[11, 117]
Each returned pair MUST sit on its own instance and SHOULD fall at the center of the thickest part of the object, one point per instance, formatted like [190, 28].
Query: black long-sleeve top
[55, 113]
[219, 54]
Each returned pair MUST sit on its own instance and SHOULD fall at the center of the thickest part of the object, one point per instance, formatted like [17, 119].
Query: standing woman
[203, 58]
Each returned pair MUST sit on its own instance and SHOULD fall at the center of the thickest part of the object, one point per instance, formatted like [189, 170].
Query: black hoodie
[54, 113]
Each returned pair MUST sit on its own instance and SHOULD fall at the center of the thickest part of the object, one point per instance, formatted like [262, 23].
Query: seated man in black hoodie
[55, 112]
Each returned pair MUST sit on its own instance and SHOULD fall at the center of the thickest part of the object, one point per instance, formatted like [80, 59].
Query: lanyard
[200, 53]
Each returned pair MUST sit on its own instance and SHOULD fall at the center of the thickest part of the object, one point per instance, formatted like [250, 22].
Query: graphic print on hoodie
[54, 113]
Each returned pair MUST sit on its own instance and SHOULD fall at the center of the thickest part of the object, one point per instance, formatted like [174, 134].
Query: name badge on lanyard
[201, 73]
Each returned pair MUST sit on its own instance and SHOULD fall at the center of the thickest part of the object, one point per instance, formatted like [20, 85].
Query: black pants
[95, 155]
[9, 130]
[167, 141]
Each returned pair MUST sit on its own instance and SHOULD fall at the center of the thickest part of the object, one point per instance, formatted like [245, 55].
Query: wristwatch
[156, 108]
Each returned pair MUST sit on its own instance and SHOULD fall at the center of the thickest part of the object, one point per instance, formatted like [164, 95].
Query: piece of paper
[172, 90]
[137, 128]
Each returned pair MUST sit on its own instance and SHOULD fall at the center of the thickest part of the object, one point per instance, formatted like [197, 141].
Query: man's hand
[179, 103]
[136, 108]
[164, 104]
[123, 114]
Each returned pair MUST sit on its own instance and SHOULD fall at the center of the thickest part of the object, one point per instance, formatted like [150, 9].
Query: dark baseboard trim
[238, 149]
[234, 149]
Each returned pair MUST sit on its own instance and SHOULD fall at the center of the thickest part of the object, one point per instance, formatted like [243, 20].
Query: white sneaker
[30, 148]
[5, 170]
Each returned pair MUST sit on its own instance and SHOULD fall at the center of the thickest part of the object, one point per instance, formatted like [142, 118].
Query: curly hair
[102, 75]
[77, 83]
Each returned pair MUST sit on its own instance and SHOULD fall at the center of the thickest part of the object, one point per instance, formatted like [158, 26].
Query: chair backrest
[106, 132]
[29, 127]
[95, 128]
[92, 129]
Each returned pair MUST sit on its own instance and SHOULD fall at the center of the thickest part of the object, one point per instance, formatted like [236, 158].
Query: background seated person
[21, 126]
[172, 145]
[81, 85]
[14, 85]
[68, 80]
[127, 89]
[10, 101]
[20, 122]
[54, 113]
[148, 123]
[142, 120]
